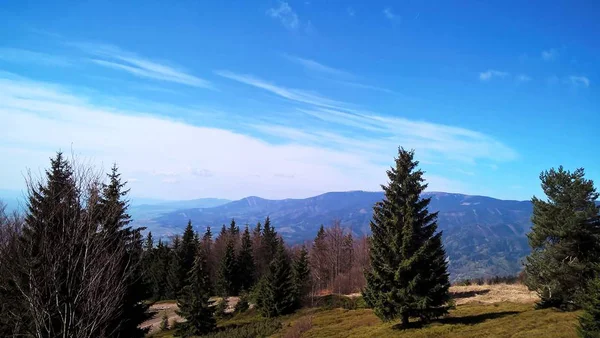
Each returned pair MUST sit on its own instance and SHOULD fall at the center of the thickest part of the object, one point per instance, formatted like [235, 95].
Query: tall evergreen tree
[187, 250]
[116, 222]
[409, 275]
[206, 245]
[319, 257]
[159, 270]
[247, 270]
[194, 303]
[175, 279]
[257, 250]
[564, 239]
[589, 322]
[276, 295]
[301, 272]
[228, 278]
[270, 241]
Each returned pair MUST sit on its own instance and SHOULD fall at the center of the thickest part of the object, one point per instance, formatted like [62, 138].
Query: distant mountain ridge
[483, 236]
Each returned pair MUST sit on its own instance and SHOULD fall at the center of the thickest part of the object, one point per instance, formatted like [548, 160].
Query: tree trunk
[405, 319]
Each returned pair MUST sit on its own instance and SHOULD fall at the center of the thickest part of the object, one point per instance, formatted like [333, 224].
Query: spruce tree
[187, 250]
[257, 250]
[247, 269]
[408, 276]
[270, 241]
[116, 222]
[276, 295]
[228, 278]
[589, 322]
[319, 257]
[159, 270]
[301, 274]
[194, 303]
[564, 239]
[206, 246]
[175, 279]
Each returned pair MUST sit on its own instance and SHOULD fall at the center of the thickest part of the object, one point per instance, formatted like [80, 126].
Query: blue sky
[291, 99]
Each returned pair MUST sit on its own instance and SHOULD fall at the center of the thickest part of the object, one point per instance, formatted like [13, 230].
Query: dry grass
[490, 294]
[482, 311]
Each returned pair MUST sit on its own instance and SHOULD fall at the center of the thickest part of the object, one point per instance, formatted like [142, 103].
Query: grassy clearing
[481, 311]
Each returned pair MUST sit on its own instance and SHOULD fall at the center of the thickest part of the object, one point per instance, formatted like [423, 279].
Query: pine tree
[276, 295]
[270, 241]
[159, 270]
[301, 274]
[589, 322]
[257, 250]
[408, 277]
[246, 263]
[207, 247]
[228, 281]
[194, 303]
[116, 222]
[175, 279]
[318, 257]
[564, 239]
[187, 250]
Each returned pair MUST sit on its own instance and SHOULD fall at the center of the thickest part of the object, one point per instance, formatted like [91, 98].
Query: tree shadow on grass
[464, 320]
[468, 294]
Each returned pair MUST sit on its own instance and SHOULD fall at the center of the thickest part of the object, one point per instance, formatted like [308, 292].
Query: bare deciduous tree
[63, 267]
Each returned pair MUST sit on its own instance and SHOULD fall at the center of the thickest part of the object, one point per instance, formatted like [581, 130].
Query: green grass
[469, 320]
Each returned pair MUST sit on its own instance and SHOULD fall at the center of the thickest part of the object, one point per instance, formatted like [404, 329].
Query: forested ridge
[72, 265]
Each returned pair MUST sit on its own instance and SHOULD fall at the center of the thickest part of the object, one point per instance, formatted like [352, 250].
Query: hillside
[483, 236]
[481, 311]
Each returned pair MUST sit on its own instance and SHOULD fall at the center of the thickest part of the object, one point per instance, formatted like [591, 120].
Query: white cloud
[550, 54]
[116, 58]
[581, 81]
[285, 15]
[297, 95]
[389, 14]
[318, 67]
[175, 159]
[523, 78]
[17, 55]
[488, 75]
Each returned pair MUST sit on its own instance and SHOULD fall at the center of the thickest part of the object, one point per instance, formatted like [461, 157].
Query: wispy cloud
[297, 95]
[336, 75]
[116, 58]
[523, 78]
[350, 11]
[285, 15]
[318, 67]
[16, 55]
[390, 15]
[550, 54]
[349, 149]
[488, 75]
[579, 81]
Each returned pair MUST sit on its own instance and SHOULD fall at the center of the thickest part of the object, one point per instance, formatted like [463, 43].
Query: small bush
[242, 305]
[220, 308]
[164, 323]
[339, 301]
[259, 329]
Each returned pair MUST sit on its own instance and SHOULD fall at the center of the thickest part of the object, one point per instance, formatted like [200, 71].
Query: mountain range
[483, 236]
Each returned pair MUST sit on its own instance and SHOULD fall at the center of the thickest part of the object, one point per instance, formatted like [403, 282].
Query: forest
[72, 265]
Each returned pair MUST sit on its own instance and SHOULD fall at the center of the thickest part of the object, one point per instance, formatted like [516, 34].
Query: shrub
[164, 323]
[242, 305]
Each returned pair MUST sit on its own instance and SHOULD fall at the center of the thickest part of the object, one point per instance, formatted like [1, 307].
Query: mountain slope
[483, 236]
